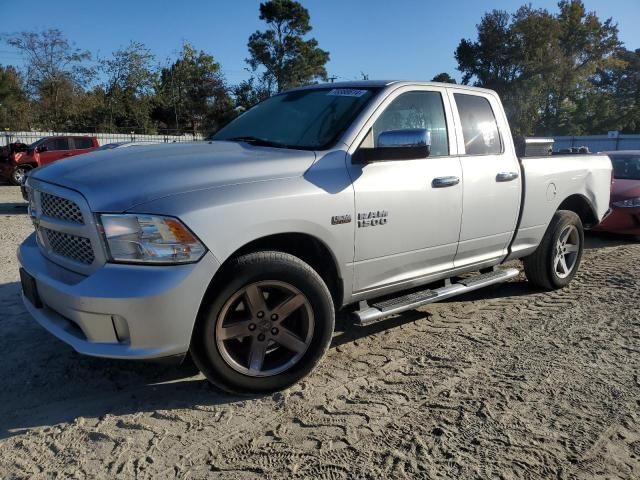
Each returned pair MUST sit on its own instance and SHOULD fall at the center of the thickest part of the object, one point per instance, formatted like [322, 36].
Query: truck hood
[117, 180]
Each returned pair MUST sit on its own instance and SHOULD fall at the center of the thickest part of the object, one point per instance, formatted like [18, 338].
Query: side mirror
[41, 148]
[407, 144]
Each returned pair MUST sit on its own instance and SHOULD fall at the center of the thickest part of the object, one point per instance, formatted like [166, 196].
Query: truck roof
[386, 83]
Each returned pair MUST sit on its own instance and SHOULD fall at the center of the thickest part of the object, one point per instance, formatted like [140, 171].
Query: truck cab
[471, 154]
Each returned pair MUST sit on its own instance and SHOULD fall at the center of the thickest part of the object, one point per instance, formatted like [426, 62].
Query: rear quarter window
[56, 144]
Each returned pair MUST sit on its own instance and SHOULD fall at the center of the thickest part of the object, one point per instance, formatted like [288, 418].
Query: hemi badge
[340, 219]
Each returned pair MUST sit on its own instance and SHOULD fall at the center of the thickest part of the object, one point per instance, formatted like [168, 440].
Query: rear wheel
[269, 325]
[19, 174]
[555, 262]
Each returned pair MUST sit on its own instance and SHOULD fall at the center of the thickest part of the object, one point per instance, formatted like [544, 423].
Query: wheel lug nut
[252, 326]
[274, 331]
[261, 337]
[274, 317]
[260, 314]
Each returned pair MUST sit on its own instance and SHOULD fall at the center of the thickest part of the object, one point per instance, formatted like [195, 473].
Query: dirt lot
[506, 383]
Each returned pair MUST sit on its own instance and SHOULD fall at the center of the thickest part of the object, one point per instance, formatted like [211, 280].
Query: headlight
[628, 203]
[149, 239]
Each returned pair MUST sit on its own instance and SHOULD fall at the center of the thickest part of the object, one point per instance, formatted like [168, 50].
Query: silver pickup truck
[381, 196]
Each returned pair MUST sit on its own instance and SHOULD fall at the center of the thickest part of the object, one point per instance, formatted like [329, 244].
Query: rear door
[56, 148]
[491, 171]
[407, 228]
[82, 145]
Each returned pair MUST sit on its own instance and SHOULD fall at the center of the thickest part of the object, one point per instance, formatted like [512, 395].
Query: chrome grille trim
[67, 232]
[70, 246]
[61, 208]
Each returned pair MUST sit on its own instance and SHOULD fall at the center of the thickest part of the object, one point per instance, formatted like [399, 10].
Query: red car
[44, 151]
[625, 196]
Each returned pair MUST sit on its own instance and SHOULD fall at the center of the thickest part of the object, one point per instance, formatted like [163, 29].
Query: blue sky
[404, 39]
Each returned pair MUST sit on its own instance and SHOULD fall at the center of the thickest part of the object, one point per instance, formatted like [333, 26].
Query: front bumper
[621, 220]
[119, 311]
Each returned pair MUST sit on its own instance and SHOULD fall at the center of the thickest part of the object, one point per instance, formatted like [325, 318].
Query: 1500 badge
[372, 219]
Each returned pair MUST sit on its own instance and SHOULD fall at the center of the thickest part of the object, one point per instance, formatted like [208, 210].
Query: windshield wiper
[256, 141]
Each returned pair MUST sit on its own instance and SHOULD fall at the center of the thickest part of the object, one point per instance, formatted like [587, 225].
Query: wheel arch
[304, 246]
[581, 206]
[30, 165]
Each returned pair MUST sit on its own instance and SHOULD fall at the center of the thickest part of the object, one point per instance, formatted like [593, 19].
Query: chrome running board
[379, 309]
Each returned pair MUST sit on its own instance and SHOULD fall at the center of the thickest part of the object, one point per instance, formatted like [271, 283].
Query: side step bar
[380, 309]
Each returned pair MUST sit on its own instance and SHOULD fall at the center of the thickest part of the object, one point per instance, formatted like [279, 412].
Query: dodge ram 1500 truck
[382, 196]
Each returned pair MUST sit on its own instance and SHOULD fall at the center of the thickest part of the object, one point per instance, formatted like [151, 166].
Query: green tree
[444, 77]
[14, 105]
[585, 44]
[91, 112]
[129, 88]
[542, 64]
[193, 94]
[616, 97]
[54, 72]
[249, 92]
[280, 55]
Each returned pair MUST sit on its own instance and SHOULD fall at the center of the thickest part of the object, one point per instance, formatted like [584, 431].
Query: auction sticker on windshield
[346, 92]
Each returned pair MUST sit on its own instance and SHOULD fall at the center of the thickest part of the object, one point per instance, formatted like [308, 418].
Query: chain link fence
[27, 137]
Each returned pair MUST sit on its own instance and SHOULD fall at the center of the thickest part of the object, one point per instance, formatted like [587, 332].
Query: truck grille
[60, 208]
[66, 231]
[70, 246]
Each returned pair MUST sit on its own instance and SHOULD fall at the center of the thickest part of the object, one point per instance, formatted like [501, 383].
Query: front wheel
[555, 262]
[19, 175]
[267, 327]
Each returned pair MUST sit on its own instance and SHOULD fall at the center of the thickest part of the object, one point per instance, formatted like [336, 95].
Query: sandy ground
[507, 382]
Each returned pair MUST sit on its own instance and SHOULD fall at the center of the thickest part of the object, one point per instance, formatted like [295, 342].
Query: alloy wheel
[264, 328]
[566, 251]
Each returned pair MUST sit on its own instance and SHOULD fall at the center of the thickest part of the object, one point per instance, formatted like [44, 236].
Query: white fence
[596, 143]
[103, 138]
[599, 143]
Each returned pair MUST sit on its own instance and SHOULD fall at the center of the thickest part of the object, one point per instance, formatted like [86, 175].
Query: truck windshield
[309, 119]
[626, 167]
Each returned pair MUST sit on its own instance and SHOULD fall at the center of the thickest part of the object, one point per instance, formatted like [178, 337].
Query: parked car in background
[625, 195]
[111, 146]
[10, 156]
[44, 151]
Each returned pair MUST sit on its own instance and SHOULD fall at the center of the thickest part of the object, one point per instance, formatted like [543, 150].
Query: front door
[56, 148]
[407, 218]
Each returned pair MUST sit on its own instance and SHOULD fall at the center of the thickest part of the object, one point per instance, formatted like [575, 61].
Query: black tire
[540, 266]
[18, 173]
[242, 273]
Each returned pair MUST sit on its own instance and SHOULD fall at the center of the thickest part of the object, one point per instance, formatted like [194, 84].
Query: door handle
[441, 182]
[67, 154]
[506, 176]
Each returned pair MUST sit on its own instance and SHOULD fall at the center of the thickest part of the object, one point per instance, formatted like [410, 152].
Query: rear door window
[56, 144]
[479, 126]
[81, 143]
